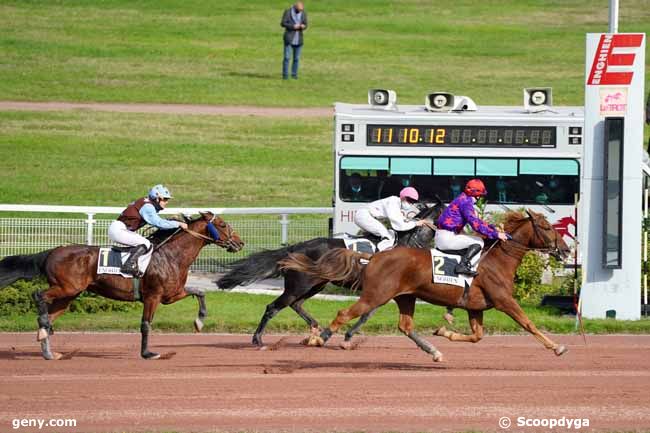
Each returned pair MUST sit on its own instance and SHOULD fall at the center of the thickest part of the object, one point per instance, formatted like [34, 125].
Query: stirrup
[465, 270]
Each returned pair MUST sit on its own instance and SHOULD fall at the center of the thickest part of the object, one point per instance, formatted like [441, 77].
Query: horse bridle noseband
[227, 243]
[554, 250]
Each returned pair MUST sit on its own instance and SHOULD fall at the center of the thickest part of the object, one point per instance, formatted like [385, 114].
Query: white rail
[256, 226]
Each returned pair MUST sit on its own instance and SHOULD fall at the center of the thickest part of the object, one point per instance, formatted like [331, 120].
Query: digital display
[488, 136]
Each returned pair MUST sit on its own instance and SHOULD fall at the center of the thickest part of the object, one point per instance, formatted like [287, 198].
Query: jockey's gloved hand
[504, 236]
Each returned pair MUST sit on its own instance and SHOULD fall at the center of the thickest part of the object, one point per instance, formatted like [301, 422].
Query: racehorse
[298, 287]
[72, 269]
[405, 274]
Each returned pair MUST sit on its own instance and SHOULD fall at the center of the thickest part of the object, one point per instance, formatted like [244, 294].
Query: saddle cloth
[110, 261]
[443, 265]
[360, 245]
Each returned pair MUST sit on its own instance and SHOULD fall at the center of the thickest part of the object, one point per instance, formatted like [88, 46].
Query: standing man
[294, 21]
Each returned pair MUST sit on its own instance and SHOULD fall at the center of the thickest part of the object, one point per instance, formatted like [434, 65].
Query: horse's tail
[257, 266]
[14, 268]
[339, 265]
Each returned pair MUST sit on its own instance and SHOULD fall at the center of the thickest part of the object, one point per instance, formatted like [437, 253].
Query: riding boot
[465, 265]
[131, 264]
[385, 244]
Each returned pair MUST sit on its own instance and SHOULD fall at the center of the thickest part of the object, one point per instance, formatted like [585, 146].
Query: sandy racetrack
[221, 383]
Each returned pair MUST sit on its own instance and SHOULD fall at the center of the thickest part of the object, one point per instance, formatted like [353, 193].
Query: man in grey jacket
[294, 21]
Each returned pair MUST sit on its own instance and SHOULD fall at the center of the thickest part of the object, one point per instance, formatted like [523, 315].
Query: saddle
[111, 259]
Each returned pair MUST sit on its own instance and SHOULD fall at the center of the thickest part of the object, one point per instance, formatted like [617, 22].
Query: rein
[524, 248]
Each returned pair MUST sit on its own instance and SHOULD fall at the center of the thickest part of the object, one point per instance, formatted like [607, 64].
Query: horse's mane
[513, 220]
[159, 235]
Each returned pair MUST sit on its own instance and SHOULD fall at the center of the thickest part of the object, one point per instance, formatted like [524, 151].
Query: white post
[89, 228]
[284, 223]
[613, 16]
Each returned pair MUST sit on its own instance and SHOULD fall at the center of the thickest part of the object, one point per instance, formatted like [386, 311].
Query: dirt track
[219, 382]
[179, 109]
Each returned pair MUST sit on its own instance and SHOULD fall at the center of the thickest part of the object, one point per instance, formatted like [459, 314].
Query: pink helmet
[409, 192]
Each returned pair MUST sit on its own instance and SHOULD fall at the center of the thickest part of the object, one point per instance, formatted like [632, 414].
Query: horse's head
[536, 232]
[218, 231]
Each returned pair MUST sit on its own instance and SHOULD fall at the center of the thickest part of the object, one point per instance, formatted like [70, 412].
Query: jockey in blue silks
[137, 214]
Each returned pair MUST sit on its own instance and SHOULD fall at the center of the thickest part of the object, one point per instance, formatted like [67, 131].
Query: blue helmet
[159, 191]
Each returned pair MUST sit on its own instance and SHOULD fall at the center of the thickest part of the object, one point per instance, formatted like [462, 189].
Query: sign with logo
[613, 101]
[614, 58]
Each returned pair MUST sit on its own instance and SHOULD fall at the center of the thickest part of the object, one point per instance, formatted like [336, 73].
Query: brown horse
[405, 274]
[72, 269]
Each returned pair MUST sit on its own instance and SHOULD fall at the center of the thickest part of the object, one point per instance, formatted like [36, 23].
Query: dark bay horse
[405, 274]
[298, 286]
[72, 269]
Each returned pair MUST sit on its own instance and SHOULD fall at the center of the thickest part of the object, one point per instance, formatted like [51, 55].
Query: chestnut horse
[298, 287]
[72, 269]
[405, 274]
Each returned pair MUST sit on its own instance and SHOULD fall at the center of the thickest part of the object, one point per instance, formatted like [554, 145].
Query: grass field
[229, 52]
[107, 159]
[238, 312]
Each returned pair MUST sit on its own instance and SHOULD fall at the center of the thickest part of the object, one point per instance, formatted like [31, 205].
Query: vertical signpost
[612, 178]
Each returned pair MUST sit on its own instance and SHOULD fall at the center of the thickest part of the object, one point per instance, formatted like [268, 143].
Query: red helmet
[475, 188]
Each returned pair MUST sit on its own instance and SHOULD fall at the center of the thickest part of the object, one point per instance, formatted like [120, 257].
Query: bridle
[215, 237]
[553, 250]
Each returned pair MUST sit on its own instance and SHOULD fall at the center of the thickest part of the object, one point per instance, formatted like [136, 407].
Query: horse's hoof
[560, 350]
[449, 318]
[42, 334]
[437, 356]
[198, 325]
[56, 356]
[346, 345]
[150, 355]
[314, 341]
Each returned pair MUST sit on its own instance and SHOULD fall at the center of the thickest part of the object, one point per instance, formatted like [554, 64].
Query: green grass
[229, 52]
[108, 159]
[240, 313]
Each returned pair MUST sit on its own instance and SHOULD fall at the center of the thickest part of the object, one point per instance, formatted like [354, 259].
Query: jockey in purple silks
[452, 221]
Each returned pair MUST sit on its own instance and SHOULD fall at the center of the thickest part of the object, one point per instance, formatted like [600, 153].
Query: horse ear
[206, 214]
[530, 215]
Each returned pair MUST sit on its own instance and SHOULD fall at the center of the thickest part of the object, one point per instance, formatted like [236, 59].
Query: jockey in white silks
[393, 209]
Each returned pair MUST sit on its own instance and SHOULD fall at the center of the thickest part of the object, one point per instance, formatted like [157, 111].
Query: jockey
[137, 214]
[452, 221]
[391, 208]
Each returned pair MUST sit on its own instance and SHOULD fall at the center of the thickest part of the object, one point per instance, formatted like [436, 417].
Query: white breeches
[117, 232]
[447, 240]
[367, 222]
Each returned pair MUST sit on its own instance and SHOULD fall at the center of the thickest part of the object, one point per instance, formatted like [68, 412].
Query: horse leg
[406, 305]
[512, 309]
[203, 309]
[150, 305]
[45, 300]
[343, 317]
[355, 328]
[281, 302]
[475, 323]
[313, 323]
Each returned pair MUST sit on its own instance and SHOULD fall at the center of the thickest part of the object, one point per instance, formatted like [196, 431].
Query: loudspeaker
[538, 98]
[382, 98]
